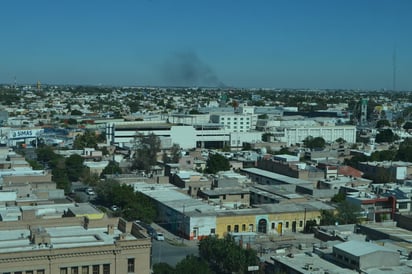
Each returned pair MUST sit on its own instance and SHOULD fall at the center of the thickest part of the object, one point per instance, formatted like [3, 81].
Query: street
[163, 251]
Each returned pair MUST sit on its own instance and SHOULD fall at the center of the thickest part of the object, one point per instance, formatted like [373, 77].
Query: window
[287, 224]
[212, 231]
[228, 228]
[63, 270]
[224, 197]
[242, 196]
[130, 265]
[403, 205]
[85, 269]
[236, 229]
[96, 269]
[106, 269]
[300, 223]
[273, 225]
[74, 270]
[243, 227]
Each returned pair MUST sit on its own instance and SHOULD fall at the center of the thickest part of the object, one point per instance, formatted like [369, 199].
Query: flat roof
[275, 191]
[300, 261]
[169, 195]
[275, 176]
[18, 240]
[224, 191]
[395, 233]
[358, 248]
[277, 208]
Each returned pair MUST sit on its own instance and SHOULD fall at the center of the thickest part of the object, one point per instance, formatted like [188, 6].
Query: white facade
[238, 138]
[179, 213]
[187, 137]
[235, 122]
[295, 135]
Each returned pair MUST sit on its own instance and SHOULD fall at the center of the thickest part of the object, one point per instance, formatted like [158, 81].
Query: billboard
[24, 133]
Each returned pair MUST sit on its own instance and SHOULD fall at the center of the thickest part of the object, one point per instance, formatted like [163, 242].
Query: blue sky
[273, 43]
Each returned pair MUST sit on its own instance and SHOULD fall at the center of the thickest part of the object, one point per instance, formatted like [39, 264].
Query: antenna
[394, 69]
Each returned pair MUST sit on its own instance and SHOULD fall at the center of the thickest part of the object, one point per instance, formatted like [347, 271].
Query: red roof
[349, 171]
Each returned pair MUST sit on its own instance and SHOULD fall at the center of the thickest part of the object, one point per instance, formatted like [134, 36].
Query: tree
[216, 163]
[59, 174]
[133, 205]
[226, 256]
[337, 198]
[405, 150]
[163, 268]
[384, 155]
[90, 179]
[312, 143]
[383, 123]
[88, 139]
[192, 264]
[146, 148]
[74, 167]
[348, 213]
[35, 165]
[175, 153]
[386, 136]
[46, 154]
[327, 217]
[111, 168]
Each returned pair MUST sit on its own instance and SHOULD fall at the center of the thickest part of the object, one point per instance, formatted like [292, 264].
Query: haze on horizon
[280, 44]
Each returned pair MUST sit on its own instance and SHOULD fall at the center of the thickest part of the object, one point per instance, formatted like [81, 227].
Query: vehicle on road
[159, 236]
[90, 191]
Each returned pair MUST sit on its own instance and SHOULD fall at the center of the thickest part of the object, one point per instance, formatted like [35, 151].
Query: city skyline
[264, 44]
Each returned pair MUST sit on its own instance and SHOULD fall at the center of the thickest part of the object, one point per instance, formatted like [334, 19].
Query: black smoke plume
[187, 69]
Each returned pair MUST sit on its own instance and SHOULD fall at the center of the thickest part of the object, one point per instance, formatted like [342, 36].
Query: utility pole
[183, 224]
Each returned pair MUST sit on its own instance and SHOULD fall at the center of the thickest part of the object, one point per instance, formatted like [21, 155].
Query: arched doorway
[262, 226]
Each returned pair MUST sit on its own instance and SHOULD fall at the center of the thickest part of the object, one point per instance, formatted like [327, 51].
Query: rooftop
[358, 248]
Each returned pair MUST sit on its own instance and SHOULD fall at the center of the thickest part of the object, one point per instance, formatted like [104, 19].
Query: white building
[187, 137]
[295, 135]
[235, 122]
[179, 213]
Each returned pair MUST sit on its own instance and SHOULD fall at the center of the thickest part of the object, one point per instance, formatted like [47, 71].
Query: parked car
[159, 236]
[114, 208]
[90, 191]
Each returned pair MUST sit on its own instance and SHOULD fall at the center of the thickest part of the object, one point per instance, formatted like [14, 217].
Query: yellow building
[272, 219]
